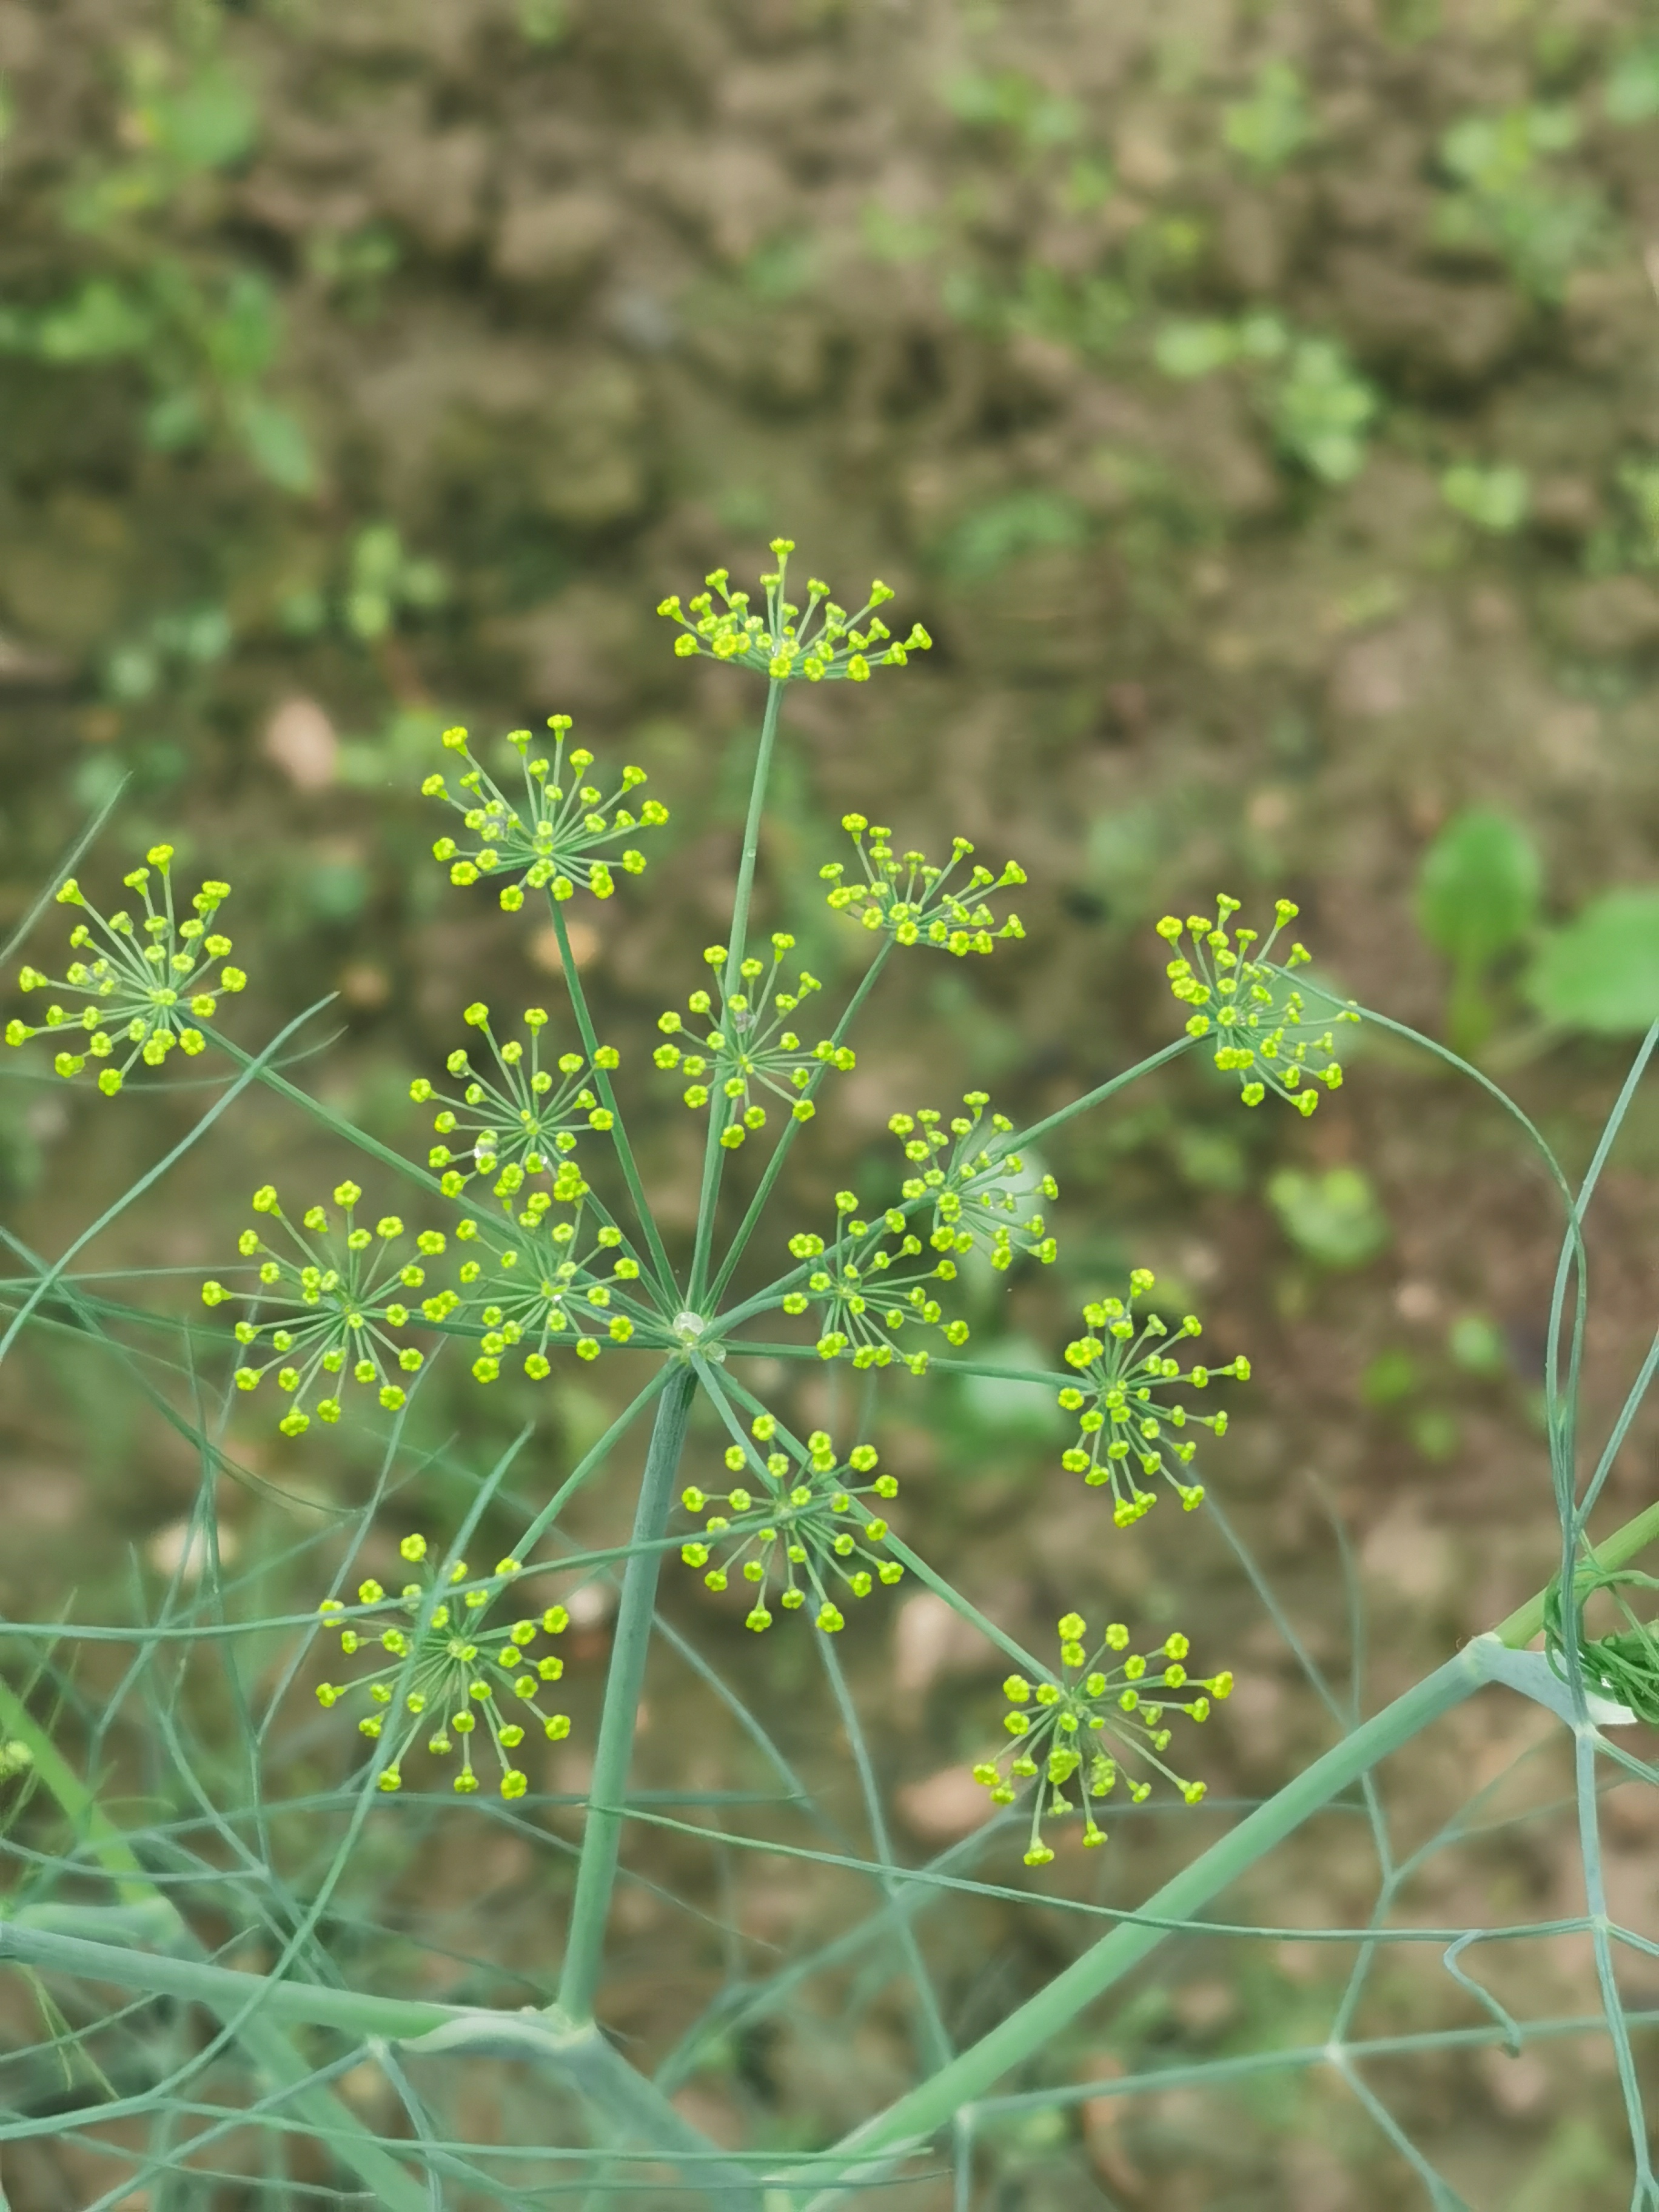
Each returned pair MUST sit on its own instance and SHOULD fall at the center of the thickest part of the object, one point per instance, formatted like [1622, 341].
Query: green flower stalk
[799, 1520]
[821, 641]
[447, 1670]
[525, 1116]
[915, 901]
[350, 1292]
[147, 984]
[1125, 1420]
[749, 1049]
[866, 1288]
[554, 838]
[537, 1281]
[1074, 1732]
[1259, 1021]
[980, 1194]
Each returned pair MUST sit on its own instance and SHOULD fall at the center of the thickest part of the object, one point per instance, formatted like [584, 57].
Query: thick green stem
[714, 1153]
[596, 1873]
[576, 2054]
[247, 2023]
[933, 2103]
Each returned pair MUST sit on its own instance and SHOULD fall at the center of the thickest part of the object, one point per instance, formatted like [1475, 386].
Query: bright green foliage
[1072, 1730]
[1477, 898]
[1496, 499]
[1318, 406]
[1478, 888]
[447, 1670]
[1624, 1665]
[1321, 410]
[1256, 1019]
[1506, 203]
[798, 1520]
[525, 1116]
[1600, 971]
[820, 642]
[1630, 94]
[146, 984]
[1334, 1218]
[1011, 100]
[383, 581]
[749, 1049]
[553, 838]
[914, 900]
[1274, 123]
[1125, 1414]
[1476, 1345]
[351, 1291]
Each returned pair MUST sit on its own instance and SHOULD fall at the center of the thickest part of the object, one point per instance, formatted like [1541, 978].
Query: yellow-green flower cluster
[538, 1281]
[821, 641]
[915, 901]
[1072, 1733]
[526, 1116]
[980, 1194]
[1246, 1003]
[798, 1520]
[551, 840]
[867, 1287]
[1125, 1421]
[345, 1290]
[447, 1670]
[146, 982]
[748, 1048]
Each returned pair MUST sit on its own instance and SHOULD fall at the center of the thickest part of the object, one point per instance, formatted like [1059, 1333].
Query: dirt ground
[369, 367]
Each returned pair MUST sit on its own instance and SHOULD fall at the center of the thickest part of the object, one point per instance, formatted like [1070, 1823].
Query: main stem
[596, 1873]
[935, 2103]
[715, 1151]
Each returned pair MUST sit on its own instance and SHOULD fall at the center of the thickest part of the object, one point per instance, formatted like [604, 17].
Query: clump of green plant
[530, 1250]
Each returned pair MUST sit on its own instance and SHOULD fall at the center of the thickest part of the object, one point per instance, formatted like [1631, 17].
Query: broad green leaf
[207, 124]
[276, 444]
[1334, 1217]
[1478, 888]
[1274, 123]
[100, 324]
[1495, 499]
[985, 541]
[1601, 970]
[1630, 94]
[1189, 350]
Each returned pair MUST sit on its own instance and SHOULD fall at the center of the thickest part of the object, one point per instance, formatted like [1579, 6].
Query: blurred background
[1259, 405]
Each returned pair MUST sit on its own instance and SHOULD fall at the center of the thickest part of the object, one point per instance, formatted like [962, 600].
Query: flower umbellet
[750, 1049]
[541, 1280]
[448, 1672]
[558, 837]
[1073, 1731]
[1247, 1006]
[980, 1190]
[146, 984]
[914, 900]
[800, 1519]
[528, 1115]
[820, 641]
[1126, 1419]
[868, 1281]
[351, 1286]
